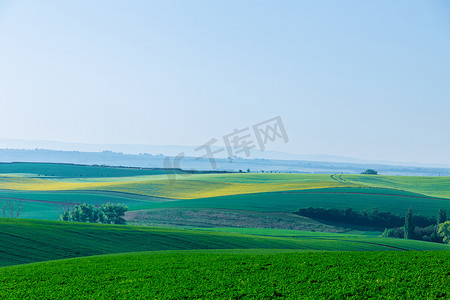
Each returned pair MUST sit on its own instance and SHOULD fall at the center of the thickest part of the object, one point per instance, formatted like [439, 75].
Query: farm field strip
[362, 191]
[239, 191]
[197, 186]
[191, 187]
[19, 176]
[393, 201]
[61, 170]
[289, 202]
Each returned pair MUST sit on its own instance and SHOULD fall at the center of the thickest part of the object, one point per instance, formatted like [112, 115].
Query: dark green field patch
[74, 171]
[396, 202]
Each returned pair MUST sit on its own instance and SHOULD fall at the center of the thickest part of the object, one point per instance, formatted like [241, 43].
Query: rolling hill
[42, 195]
[26, 241]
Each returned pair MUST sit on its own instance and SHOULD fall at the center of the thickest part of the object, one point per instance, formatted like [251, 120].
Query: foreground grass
[236, 274]
[26, 241]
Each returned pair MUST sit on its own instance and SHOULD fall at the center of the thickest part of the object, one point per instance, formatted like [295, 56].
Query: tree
[409, 224]
[9, 209]
[113, 213]
[444, 231]
[442, 216]
[248, 170]
[370, 172]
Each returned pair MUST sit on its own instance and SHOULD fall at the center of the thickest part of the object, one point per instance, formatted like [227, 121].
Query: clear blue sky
[361, 79]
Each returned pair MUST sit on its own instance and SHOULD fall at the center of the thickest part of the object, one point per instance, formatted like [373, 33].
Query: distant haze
[350, 79]
[173, 150]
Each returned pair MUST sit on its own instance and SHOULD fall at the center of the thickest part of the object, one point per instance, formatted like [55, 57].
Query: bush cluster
[428, 234]
[433, 233]
[107, 214]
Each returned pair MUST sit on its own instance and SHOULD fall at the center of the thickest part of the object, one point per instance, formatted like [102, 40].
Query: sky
[369, 80]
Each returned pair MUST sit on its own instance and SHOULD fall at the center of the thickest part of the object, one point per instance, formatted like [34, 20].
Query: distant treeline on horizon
[146, 160]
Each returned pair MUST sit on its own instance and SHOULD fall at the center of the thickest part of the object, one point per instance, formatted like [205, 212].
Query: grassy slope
[47, 205]
[25, 241]
[406, 244]
[253, 192]
[427, 185]
[213, 217]
[236, 274]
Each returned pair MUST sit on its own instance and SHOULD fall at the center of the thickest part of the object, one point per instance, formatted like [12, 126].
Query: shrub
[370, 172]
[394, 233]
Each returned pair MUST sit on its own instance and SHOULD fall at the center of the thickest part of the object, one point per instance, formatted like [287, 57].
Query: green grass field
[235, 274]
[26, 241]
[42, 259]
[43, 196]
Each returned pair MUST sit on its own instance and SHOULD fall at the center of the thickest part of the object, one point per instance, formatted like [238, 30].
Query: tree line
[418, 227]
[437, 232]
[370, 217]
